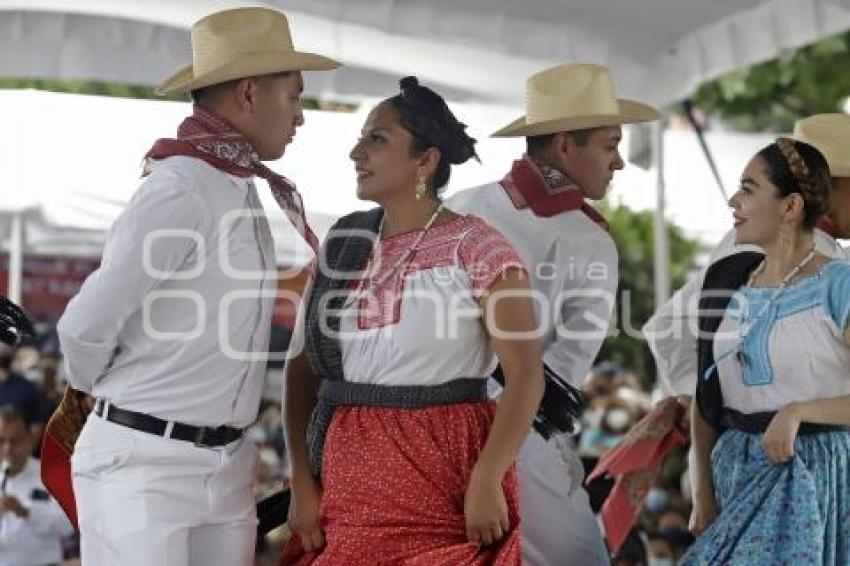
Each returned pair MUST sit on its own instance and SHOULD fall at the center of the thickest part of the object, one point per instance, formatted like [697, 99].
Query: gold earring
[421, 188]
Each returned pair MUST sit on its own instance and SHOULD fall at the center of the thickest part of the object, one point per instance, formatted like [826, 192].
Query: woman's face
[757, 207]
[385, 166]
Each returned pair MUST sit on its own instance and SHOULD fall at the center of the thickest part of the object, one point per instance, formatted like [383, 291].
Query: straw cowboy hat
[574, 97]
[245, 42]
[830, 134]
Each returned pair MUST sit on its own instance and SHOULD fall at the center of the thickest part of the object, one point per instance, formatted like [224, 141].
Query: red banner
[50, 281]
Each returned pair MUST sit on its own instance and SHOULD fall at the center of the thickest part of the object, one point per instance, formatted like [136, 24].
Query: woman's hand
[778, 439]
[485, 507]
[704, 512]
[304, 512]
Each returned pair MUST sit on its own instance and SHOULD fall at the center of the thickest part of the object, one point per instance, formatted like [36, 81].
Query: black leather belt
[757, 423]
[198, 435]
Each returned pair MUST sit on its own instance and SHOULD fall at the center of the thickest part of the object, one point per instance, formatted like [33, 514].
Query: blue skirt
[795, 513]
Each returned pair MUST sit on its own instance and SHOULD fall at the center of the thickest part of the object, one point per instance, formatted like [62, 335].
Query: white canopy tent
[473, 50]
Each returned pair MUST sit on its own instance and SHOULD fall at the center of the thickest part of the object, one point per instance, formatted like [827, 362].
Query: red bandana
[827, 226]
[206, 136]
[546, 191]
[635, 464]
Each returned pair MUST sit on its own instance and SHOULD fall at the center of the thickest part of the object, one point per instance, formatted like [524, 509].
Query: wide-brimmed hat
[240, 43]
[574, 97]
[830, 134]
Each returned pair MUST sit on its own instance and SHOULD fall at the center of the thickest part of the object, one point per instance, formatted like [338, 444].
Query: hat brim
[631, 112]
[839, 170]
[255, 65]
[835, 169]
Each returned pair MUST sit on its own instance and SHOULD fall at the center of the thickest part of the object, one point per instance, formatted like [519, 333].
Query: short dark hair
[536, 144]
[207, 94]
[803, 170]
[10, 414]
[427, 117]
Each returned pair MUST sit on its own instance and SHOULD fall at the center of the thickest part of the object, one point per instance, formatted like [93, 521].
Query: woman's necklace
[409, 252]
[790, 275]
[748, 326]
[369, 281]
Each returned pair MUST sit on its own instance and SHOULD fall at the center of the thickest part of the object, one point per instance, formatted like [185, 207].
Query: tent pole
[16, 257]
[661, 243]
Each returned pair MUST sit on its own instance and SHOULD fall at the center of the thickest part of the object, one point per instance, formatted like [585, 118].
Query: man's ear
[563, 144]
[244, 91]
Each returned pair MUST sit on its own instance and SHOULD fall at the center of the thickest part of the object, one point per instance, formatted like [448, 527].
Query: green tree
[771, 96]
[633, 234]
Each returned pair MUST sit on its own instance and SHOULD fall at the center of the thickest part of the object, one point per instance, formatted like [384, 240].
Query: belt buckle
[200, 436]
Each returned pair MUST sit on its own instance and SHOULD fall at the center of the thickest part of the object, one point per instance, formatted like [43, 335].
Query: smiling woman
[412, 132]
[771, 434]
[404, 457]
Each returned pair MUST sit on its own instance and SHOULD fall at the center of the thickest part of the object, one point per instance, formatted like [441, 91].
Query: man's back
[180, 284]
[573, 263]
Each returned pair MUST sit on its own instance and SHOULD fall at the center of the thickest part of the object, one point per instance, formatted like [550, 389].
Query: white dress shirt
[35, 540]
[175, 323]
[573, 265]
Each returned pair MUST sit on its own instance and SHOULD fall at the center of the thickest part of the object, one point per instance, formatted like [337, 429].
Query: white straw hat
[239, 43]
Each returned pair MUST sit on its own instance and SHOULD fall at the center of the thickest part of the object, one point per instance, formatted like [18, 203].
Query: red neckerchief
[210, 137]
[546, 191]
[635, 463]
[827, 226]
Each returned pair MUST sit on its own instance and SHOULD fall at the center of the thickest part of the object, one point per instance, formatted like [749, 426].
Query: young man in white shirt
[170, 334]
[572, 128]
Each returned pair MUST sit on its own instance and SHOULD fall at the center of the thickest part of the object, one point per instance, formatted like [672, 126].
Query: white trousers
[144, 500]
[558, 526]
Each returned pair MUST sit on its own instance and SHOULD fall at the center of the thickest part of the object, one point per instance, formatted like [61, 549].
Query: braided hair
[797, 167]
[424, 114]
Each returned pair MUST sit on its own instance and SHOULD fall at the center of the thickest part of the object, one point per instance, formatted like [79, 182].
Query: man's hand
[9, 504]
[88, 402]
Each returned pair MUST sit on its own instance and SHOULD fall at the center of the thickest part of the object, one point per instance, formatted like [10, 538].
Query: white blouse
[795, 349]
[415, 318]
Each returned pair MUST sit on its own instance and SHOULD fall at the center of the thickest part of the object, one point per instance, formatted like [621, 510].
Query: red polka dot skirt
[394, 484]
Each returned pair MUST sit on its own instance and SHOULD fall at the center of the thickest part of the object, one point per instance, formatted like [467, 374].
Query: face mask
[617, 420]
[657, 500]
[660, 561]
